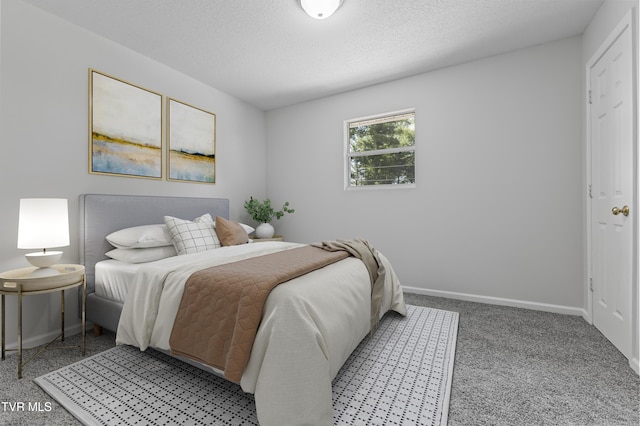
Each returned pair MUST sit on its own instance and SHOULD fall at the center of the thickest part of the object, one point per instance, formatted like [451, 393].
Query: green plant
[263, 212]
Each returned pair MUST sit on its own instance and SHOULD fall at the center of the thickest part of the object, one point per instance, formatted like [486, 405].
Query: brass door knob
[616, 211]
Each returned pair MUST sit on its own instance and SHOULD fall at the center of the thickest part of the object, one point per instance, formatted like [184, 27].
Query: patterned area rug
[401, 375]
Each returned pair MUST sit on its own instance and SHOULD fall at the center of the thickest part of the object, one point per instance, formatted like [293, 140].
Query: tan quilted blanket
[221, 307]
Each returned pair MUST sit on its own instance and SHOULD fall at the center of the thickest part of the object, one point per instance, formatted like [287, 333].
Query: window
[380, 151]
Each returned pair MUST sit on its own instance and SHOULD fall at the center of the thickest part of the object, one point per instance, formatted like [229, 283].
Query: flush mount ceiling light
[320, 9]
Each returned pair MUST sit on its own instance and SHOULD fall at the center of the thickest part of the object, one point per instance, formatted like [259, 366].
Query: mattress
[113, 278]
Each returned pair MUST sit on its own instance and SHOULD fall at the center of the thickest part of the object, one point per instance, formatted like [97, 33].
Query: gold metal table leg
[62, 315]
[3, 329]
[84, 305]
[19, 331]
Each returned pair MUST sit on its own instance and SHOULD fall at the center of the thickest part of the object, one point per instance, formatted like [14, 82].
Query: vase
[264, 230]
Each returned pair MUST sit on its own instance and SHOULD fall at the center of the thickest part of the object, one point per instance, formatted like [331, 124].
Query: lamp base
[44, 259]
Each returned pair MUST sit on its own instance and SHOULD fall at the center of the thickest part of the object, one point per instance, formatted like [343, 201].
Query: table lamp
[43, 224]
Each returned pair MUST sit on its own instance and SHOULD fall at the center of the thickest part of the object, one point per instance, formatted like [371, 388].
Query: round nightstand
[274, 238]
[31, 281]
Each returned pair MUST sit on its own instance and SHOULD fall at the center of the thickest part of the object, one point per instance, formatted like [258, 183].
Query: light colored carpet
[400, 375]
[513, 366]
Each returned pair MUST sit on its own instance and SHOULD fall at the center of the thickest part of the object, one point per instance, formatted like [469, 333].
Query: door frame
[627, 21]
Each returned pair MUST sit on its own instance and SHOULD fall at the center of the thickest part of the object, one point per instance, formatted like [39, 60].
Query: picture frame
[125, 128]
[191, 143]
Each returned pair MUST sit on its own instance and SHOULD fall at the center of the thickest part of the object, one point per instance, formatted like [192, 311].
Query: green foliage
[263, 212]
[394, 167]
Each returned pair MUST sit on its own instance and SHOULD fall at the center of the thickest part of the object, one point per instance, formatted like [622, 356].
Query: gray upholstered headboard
[102, 214]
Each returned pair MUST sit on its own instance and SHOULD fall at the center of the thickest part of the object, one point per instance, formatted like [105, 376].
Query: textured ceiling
[271, 54]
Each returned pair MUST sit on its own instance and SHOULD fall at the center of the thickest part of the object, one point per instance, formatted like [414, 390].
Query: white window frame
[387, 116]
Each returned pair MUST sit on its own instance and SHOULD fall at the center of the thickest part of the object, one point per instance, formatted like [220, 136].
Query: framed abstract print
[125, 128]
[191, 143]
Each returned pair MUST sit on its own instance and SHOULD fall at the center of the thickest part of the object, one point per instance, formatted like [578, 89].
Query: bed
[102, 214]
[302, 339]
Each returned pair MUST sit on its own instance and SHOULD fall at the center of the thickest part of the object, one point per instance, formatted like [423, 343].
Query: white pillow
[141, 255]
[192, 237]
[205, 218]
[247, 228]
[141, 237]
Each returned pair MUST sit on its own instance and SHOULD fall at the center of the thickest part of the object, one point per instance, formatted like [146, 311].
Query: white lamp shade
[43, 223]
[320, 9]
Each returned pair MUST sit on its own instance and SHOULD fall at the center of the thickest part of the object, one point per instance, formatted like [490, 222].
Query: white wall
[44, 136]
[604, 22]
[497, 211]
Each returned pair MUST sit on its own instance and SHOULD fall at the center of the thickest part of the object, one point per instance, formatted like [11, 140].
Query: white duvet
[310, 326]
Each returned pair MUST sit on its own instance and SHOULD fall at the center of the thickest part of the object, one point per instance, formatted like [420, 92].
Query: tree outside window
[381, 151]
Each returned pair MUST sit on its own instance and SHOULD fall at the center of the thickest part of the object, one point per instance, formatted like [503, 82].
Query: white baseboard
[33, 341]
[634, 363]
[546, 307]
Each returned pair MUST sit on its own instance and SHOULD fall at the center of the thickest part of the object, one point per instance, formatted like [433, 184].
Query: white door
[611, 131]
